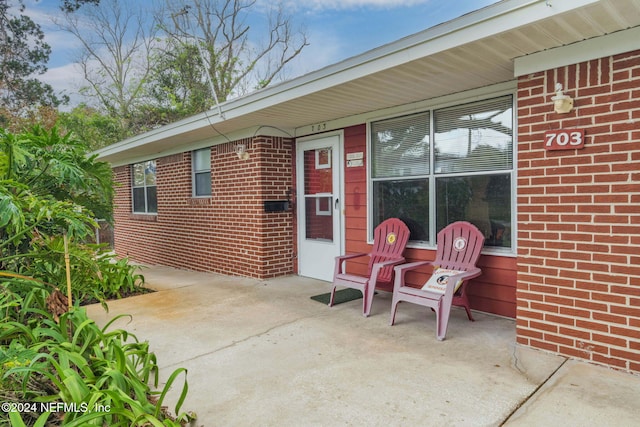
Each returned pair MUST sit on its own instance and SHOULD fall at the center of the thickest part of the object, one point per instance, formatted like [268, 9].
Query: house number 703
[562, 139]
[319, 127]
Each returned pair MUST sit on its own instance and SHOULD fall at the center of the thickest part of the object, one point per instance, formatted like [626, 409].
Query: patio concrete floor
[262, 353]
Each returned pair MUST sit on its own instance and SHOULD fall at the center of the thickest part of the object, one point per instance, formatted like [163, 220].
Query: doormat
[343, 295]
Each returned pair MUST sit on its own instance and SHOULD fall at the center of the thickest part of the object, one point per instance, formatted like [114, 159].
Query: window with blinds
[144, 192]
[474, 137]
[459, 168]
[400, 147]
[202, 172]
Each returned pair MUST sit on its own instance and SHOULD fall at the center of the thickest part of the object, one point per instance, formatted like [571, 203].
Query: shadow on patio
[261, 352]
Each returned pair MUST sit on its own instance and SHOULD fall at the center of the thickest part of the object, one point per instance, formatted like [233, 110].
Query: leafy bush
[49, 188]
[97, 273]
[95, 375]
[50, 193]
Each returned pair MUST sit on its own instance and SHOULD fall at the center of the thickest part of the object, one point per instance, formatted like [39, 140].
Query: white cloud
[66, 79]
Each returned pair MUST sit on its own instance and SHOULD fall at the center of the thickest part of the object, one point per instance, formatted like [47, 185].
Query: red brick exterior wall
[579, 214]
[228, 233]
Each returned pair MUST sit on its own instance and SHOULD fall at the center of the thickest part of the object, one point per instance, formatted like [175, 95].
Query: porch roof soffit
[473, 51]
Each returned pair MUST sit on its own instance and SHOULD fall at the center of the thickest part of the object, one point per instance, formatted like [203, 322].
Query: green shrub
[50, 193]
[101, 376]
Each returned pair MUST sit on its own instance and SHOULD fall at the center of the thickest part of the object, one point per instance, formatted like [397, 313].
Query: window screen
[474, 137]
[400, 147]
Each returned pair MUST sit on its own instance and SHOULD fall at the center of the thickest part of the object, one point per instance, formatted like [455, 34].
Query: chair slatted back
[389, 241]
[459, 246]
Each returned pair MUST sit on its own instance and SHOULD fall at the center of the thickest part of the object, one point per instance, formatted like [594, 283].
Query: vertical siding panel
[355, 141]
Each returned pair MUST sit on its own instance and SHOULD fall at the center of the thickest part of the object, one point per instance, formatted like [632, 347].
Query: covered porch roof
[475, 50]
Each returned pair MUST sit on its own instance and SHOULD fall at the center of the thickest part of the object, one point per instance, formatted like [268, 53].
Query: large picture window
[202, 172]
[145, 199]
[446, 165]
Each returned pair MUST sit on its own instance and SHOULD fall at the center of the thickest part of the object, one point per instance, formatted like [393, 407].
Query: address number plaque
[564, 139]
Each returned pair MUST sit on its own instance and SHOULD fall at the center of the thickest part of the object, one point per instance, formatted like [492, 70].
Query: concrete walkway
[262, 353]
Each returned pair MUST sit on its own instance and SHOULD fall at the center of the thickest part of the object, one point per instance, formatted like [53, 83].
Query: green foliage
[103, 376]
[23, 54]
[50, 164]
[48, 186]
[118, 278]
[50, 191]
[89, 125]
[97, 274]
[73, 5]
[180, 88]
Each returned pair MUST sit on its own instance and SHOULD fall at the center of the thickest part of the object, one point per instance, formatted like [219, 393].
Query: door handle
[335, 204]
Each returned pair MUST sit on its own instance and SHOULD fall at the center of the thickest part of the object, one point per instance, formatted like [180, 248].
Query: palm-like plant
[48, 186]
[55, 165]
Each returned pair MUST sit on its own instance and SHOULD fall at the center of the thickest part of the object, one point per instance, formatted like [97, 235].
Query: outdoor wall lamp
[561, 103]
[241, 151]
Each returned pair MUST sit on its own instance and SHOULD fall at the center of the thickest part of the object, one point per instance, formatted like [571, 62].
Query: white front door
[318, 170]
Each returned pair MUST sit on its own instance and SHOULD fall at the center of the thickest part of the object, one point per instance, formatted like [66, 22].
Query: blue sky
[337, 29]
[361, 25]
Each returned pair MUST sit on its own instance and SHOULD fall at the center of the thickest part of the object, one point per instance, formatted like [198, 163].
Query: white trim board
[611, 44]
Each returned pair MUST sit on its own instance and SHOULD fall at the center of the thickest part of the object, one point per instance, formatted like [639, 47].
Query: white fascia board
[587, 50]
[183, 148]
[472, 95]
[174, 129]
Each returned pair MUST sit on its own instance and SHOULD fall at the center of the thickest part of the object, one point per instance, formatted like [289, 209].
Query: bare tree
[210, 50]
[236, 58]
[118, 42]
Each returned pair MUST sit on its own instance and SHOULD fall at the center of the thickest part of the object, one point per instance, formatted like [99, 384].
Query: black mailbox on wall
[276, 205]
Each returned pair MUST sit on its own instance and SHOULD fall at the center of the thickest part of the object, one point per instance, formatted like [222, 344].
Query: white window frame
[195, 172]
[433, 176]
[145, 186]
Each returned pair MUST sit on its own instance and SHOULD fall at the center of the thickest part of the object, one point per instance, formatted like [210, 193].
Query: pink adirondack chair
[389, 241]
[459, 246]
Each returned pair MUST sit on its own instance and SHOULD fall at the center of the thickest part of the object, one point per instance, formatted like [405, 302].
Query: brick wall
[230, 232]
[579, 214]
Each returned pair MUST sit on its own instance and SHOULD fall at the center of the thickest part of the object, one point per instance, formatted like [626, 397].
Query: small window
[145, 199]
[202, 172]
